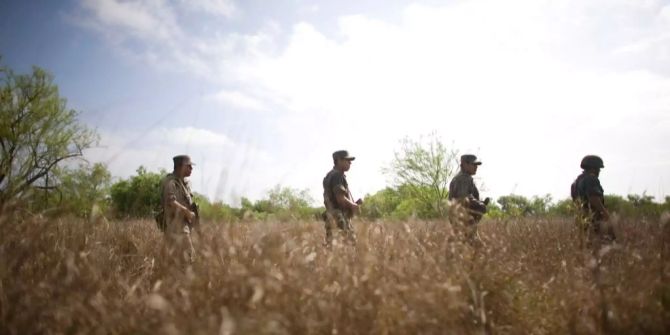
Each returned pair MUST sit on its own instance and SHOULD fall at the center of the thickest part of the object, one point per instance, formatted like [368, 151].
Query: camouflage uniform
[177, 228]
[463, 190]
[588, 185]
[463, 186]
[335, 183]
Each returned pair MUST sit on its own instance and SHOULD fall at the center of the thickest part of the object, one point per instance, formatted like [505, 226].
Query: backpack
[159, 213]
[159, 216]
[574, 189]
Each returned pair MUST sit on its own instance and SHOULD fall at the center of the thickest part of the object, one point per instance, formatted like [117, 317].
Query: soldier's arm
[341, 193]
[594, 195]
[597, 205]
[171, 196]
[190, 216]
[344, 202]
[459, 189]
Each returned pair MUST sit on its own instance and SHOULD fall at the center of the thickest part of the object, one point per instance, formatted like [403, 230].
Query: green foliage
[138, 196]
[37, 132]
[216, 211]
[630, 206]
[86, 188]
[281, 203]
[381, 204]
[634, 204]
[424, 168]
[397, 203]
[494, 211]
[80, 191]
[562, 208]
[516, 205]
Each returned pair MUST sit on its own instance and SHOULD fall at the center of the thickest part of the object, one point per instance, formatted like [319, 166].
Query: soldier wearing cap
[340, 206]
[589, 195]
[178, 206]
[463, 190]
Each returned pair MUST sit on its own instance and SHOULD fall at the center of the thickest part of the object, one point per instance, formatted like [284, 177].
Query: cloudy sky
[261, 92]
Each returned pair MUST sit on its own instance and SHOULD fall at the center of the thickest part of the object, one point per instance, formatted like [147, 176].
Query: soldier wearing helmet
[589, 195]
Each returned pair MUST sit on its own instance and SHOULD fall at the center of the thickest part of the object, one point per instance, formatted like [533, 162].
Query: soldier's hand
[190, 216]
[356, 209]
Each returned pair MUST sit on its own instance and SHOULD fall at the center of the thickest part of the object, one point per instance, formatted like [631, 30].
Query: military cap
[592, 161]
[343, 154]
[470, 159]
[182, 159]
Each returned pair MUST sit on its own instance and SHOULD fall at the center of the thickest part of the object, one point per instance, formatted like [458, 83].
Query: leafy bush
[281, 203]
[137, 196]
[80, 191]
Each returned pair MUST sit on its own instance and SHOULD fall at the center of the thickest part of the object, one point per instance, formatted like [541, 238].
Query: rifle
[159, 216]
[477, 208]
[358, 202]
[194, 208]
[347, 212]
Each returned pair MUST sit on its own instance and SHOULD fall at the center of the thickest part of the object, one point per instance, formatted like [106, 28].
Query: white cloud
[196, 137]
[225, 169]
[237, 99]
[541, 79]
[225, 8]
[491, 76]
[152, 32]
[140, 19]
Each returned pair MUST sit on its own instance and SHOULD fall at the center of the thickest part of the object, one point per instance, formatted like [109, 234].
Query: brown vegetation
[532, 276]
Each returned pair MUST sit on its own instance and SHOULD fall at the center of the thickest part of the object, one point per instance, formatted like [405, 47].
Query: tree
[85, 188]
[281, 203]
[518, 205]
[77, 191]
[137, 196]
[285, 203]
[425, 167]
[381, 204]
[215, 211]
[37, 132]
[565, 208]
[514, 205]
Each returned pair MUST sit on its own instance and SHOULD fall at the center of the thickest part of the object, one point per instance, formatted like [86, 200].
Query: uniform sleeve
[474, 192]
[591, 186]
[338, 184]
[170, 191]
[460, 188]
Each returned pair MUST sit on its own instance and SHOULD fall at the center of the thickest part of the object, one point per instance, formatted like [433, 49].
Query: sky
[260, 93]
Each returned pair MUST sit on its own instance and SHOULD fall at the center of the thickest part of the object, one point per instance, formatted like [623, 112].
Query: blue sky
[261, 92]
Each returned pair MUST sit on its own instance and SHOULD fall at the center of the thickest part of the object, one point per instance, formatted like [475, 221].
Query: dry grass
[531, 277]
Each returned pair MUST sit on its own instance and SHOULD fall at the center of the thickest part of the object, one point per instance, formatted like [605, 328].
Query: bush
[281, 203]
[137, 196]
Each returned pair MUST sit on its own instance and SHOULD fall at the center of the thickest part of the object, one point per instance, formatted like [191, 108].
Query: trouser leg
[336, 220]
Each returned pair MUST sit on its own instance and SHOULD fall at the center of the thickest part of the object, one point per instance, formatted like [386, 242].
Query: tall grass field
[528, 276]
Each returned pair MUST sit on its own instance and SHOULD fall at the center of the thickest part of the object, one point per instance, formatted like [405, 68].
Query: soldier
[340, 206]
[589, 195]
[178, 207]
[462, 189]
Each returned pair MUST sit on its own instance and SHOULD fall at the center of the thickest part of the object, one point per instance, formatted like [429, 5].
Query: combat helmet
[592, 162]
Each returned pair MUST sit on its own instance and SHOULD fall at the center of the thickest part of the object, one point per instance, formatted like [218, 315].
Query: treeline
[41, 139]
[88, 191]
[399, 203]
